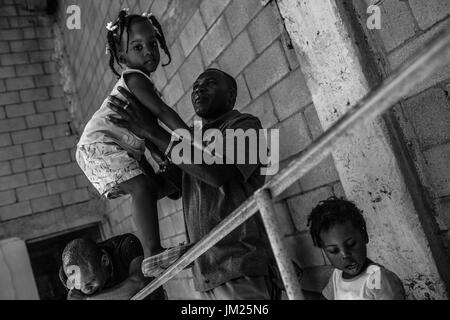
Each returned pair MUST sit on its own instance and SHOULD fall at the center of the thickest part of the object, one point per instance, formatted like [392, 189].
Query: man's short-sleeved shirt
[245, 251]
[123, 250]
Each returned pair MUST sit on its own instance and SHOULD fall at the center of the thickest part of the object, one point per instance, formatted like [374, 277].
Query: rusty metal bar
[432, 57]
[274, 232]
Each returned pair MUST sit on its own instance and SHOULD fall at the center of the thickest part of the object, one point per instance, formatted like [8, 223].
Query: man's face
[92, 279]
[345, 247]
[143, 51]
[211, 95]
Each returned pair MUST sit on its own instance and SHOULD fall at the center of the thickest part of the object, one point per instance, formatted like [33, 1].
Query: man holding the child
[240, 266]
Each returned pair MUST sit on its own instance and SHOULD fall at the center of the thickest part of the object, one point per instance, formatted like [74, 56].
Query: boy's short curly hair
[331, 212]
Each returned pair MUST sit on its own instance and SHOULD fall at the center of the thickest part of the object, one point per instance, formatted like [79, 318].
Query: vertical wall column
[367, 166]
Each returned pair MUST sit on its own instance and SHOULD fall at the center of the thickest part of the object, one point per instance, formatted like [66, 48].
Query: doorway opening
[45, 257]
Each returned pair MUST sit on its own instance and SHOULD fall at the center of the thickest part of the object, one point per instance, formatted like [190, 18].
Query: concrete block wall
[38, 173]
[241, 37]
[424, 115]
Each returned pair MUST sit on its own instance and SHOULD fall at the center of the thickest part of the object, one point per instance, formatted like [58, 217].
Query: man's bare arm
[126, 289]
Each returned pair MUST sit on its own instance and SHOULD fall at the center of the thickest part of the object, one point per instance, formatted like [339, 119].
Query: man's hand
[76, 295]
[134, 116]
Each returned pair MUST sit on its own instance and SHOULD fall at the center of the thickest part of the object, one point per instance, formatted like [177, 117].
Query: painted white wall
[16, 276]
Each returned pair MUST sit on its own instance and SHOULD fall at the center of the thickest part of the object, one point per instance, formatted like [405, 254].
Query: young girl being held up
[113, 157]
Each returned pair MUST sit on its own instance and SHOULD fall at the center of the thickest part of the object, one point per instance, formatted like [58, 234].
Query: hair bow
[110, 26]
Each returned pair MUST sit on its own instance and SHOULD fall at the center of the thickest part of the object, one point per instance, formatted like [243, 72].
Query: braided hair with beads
[123, 23]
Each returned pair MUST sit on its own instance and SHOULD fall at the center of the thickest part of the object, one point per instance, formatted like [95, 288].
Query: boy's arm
[144, 91]
[126, 289]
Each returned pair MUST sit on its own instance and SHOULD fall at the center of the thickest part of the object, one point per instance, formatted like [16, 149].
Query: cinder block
[51, 105]
[2, 112]
[429, 12]
[15, 211]
[8, 11]
[239, 14]
[45, 203]
[191, 69]
[302, 205]
[40, 56]
[313, 121]
[24, 45]
[272, 62]
[5, 140]
[46, 44]
[10, 153]
[75, 196]
[294, 136]
[11, 59]
[56, 92]
[18, 165]
[238, 55]
[243, 95]
[31, 192]
[173, 91]
[19, 110]
[61, 185]
[56, 158]
[69, 170]
[35, 176]
[7, 197]
[291, 94]
[34, 94]
[184, 107]
[62, 116]
[26, 136]
[397, 57]
[29, 70]
[265, 28]
[11, 34]
[263, 109]
[7, 72]
[217, 39]
[429, 113]
[13, 181]
[82, 181]
[47, 80]
[35, 148]
[10, 125]
[60, 130]
[177, 59]
[211, 10]
[438, 161]
[40, 120]
[62, 143]
[33, 163]
[397, 24]
[50, 173]
[5, 168]
[324, 173]
[192, 33]
[9, 98]
[29, 33]
[50, 67]
[4, 47]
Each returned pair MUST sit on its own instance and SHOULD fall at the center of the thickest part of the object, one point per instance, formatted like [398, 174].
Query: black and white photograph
[224, 150]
